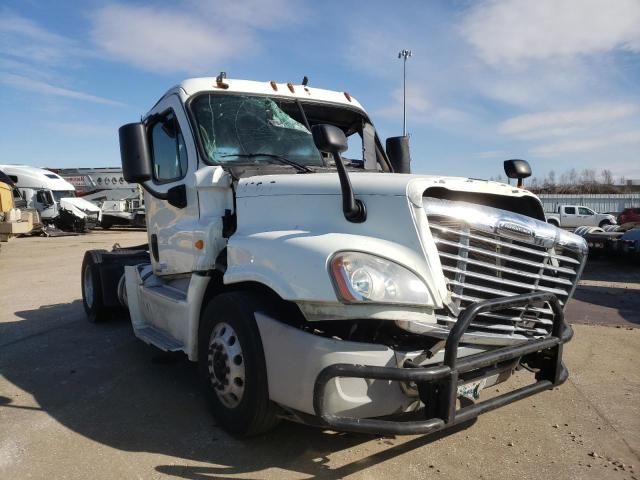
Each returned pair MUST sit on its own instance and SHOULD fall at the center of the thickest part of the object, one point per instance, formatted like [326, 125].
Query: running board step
[154, 336]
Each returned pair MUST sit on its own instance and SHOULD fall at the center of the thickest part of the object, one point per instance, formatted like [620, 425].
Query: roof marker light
[274, 85]
[220, 80]
[290, 87]
[347, 96]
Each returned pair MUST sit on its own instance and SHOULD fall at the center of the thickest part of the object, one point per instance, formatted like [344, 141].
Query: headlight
[360, 277]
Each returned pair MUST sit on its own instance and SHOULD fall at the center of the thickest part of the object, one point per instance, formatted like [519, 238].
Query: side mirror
[134, 153]
[399, 154]
[329, 138]
[519, 169]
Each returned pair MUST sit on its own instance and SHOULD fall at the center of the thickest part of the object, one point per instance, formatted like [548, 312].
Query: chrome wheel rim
[226, 365]
[87, 286]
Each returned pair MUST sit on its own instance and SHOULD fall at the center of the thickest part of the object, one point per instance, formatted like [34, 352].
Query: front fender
[294, 263]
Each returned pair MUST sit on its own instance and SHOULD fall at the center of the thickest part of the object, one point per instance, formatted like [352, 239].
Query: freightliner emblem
[511, 229]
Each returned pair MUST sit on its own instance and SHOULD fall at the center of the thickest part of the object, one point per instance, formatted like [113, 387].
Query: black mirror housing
[329, 138]
[399, 154]
[517, 168]
[135, 153]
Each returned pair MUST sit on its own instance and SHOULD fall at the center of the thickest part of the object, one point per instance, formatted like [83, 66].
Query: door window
[168, 149]
[570, 210]
[585, 211]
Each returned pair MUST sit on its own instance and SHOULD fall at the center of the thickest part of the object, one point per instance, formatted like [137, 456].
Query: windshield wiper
[279, 158]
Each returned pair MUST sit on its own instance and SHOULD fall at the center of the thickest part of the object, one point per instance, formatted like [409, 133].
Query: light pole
[404, 54]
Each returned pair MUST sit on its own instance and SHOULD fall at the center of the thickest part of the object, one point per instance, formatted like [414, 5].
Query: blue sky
[556, 82]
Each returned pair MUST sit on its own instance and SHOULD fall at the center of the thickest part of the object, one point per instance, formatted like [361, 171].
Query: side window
[570, 210]
[40, 197]
[585, 211]
[168, 149]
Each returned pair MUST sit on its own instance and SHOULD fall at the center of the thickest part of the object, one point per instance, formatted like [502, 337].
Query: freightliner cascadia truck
[313, 279]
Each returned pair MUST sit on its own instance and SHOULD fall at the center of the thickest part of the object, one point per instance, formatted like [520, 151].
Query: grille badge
[514, 230]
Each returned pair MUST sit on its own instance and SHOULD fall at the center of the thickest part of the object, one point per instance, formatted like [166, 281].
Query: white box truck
[312, 281]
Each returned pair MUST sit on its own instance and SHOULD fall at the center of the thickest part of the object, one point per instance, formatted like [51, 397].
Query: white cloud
[43, 88]
[513, 31]
[589, 144]
[195, 40]
[22, 39]
[417, 103]
[554, 123]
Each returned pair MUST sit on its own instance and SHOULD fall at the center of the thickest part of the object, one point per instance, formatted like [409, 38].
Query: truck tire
[604, 223]
[92, 287]
[232, 365]
[553, 222]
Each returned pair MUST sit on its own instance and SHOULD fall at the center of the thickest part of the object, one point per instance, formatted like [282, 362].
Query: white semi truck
[54, 198]
[326, 287]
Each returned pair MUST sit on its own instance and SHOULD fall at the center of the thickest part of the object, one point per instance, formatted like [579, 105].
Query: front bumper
[438, 384]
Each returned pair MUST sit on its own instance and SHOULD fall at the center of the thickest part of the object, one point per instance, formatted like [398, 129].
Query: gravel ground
[90, 401]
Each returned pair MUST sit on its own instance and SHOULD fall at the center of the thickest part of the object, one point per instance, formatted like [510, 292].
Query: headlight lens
[360, 277]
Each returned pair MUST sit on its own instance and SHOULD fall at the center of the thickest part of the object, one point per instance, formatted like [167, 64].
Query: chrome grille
[482, 260]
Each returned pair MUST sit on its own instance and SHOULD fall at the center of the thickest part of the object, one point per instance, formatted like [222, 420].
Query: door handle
[154, 247]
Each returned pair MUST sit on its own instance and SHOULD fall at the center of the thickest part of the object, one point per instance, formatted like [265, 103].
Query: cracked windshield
[241, 129]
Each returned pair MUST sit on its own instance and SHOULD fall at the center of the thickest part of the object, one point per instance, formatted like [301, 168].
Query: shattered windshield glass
[234, 128]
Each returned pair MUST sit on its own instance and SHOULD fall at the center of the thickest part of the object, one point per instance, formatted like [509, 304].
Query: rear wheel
[553, 222]
[232, 365]
[92, 287]
[604, 223]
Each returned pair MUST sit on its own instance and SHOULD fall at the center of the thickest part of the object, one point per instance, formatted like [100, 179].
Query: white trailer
[53, 198]
[326, 287]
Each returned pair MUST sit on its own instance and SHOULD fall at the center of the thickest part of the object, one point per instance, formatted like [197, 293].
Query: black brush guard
[438, 384]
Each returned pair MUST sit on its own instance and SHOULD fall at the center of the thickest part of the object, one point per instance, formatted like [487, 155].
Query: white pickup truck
[577, 216]
[326, 287]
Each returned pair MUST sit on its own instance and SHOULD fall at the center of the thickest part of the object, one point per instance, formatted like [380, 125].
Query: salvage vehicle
[629, 215]
[577, 216]
[613, 241]
[313, 278]
[53, 198]
[121, 203]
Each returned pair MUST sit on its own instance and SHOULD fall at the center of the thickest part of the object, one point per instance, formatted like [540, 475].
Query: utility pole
[404, 54]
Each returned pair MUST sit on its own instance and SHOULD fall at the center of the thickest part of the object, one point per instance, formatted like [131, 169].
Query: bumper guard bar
[438, 384]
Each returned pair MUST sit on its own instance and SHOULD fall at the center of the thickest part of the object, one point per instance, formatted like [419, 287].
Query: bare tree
[572, 177]
[607, 177]
[552, 177]
[588, 176]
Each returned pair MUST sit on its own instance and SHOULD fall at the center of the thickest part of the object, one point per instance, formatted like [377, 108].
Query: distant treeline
[574, 181]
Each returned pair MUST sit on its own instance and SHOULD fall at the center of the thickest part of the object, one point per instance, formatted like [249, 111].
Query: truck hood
[369, 183]
[79, 203]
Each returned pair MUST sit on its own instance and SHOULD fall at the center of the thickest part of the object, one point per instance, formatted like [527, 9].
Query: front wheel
[232, 365]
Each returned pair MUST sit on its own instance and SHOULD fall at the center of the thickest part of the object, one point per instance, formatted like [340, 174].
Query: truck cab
[314, 279]
[53, 197]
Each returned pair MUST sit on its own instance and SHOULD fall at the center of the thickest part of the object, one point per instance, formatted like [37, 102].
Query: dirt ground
[82, 401]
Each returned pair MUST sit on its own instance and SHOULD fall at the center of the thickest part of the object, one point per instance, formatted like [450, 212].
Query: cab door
[171, 214]
[46, 205]
[587, 216]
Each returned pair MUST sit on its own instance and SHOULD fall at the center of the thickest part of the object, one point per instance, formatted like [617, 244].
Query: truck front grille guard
[438, 384]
